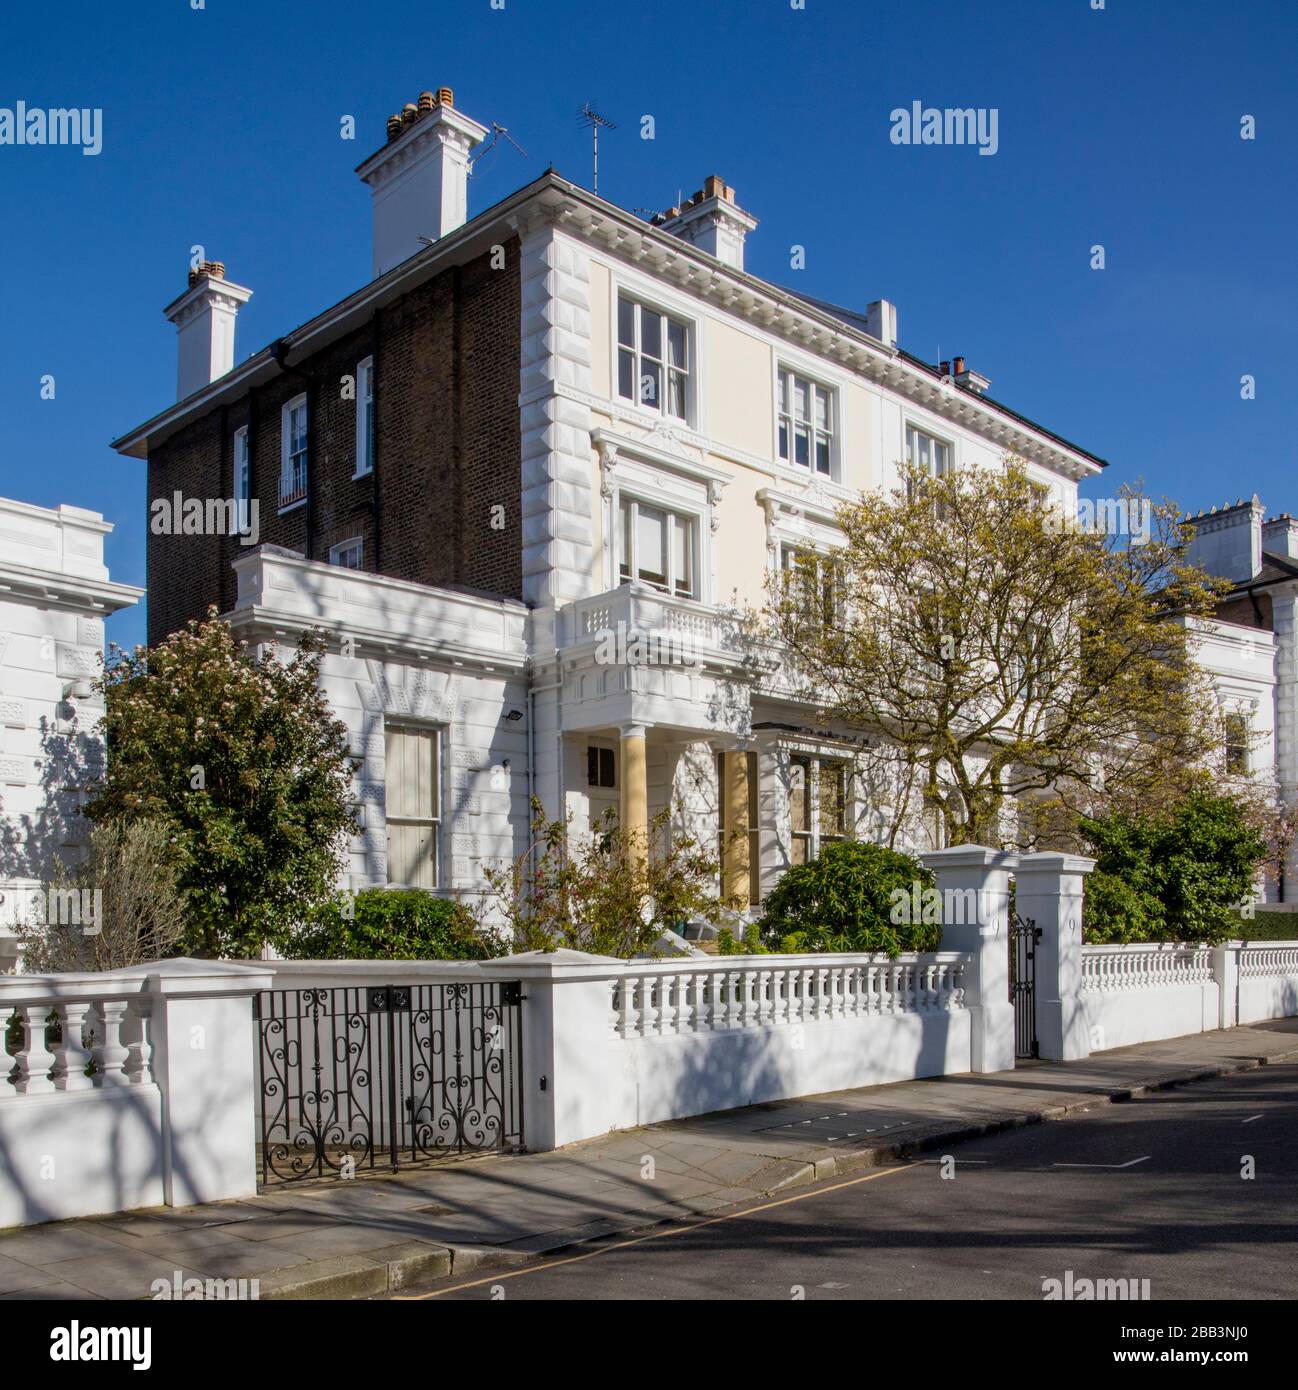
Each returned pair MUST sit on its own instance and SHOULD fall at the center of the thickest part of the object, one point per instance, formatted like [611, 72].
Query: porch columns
[633, 808]
[734, 849]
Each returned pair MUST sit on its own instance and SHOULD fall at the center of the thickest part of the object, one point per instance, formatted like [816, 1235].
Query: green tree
[604, 892]
[1179, 874]
[241, 758]
[994, 651]
[843, 901]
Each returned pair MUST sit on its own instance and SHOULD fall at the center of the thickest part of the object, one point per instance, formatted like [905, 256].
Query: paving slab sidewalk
[373, 1235]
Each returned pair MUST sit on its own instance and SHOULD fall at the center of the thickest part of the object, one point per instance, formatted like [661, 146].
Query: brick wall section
[447, 450]
[1242, 611]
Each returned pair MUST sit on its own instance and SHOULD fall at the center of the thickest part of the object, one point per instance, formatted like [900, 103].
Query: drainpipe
[376, 378]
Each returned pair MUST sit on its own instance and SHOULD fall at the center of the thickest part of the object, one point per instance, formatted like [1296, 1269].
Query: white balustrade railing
[646, 610]
[1257, 962]
[665, 998]
[1145, 966]
[74, 1033]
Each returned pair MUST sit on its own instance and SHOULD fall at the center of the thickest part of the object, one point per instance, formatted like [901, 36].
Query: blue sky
[1119, 127]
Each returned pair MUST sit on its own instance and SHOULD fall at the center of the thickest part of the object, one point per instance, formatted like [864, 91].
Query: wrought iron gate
[383, 1076]
[1024, 936]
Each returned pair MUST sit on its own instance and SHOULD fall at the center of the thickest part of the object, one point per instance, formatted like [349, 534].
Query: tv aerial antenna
[498, 132]
[588, 116]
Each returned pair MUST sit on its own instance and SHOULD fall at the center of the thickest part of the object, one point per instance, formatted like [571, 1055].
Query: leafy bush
[392, 924]
[843, 901]
[140, 911]
[1178, 875]
[750, 944]
[604, 891]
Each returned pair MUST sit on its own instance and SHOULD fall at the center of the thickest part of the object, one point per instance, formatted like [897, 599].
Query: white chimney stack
[881, 322]
[419, 180]
[1228, 541]
[712, 221]
[1280, 536]
[204, 317]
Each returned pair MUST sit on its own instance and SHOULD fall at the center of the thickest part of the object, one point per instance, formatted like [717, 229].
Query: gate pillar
[1048, 891]
[974, 882]
[570, 1081]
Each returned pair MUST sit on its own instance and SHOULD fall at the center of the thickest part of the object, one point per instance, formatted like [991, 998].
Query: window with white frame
[658, 547]
[242, 480]
[350, 554]
[364, 417]
[818, 792]
[925, 451]
[1236, 737]
[814, 579]
[412, 777]
[653, 358]
[805, 417]
[292, 474]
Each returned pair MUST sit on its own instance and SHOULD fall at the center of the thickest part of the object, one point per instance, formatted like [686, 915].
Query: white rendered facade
[54, 595]
[705, 475]
[1250, 650]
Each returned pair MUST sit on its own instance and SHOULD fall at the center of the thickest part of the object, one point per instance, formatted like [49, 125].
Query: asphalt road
[1150, 1189]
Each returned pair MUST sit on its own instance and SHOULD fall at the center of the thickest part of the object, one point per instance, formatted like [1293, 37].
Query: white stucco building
[55, 593]
[680, 429]
[1250, 650]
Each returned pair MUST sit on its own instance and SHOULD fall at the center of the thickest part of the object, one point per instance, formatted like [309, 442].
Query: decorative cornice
[582, 214]
[29, 585]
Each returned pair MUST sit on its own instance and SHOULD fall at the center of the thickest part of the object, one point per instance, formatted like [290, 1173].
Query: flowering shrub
[241, 759]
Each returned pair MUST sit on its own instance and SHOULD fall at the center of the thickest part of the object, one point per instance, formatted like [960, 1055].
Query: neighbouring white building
[648, 431]
[1250, 650]
[54, 596]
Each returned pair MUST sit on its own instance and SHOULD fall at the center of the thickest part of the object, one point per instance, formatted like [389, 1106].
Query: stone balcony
[635, 655]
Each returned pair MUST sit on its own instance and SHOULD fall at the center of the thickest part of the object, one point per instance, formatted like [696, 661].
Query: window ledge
[292, 506]
[362, 473]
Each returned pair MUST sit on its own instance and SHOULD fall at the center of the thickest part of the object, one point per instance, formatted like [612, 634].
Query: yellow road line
[501, 1275]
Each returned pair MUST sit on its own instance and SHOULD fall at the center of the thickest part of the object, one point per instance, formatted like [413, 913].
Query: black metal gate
[383, 1076]
[1024, 936]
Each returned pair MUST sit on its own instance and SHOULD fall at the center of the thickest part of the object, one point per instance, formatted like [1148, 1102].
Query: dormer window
[805, 413]
[653, 358]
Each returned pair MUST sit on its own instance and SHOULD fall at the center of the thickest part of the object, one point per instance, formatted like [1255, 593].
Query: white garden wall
[1139, 993]
[1267, 985]
[692, 1037]
[144, 1096]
